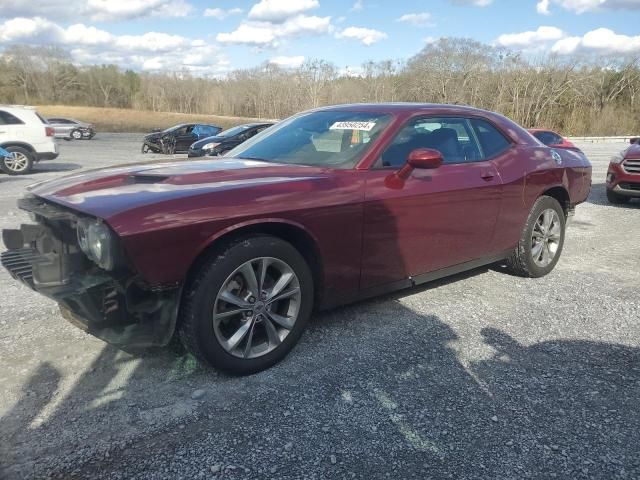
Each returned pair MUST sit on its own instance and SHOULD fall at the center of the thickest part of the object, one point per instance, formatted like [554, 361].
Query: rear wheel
[542, 240]
[616, 199]
[20, 163]
[248, 306]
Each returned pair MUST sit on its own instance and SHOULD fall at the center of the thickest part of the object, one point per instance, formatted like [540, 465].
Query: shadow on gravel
[55, 167]
[396, 404]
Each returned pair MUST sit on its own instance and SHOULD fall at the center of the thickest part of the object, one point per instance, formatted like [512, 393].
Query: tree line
[576, 95]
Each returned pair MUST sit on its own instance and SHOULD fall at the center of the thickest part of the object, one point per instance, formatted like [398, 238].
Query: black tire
[521, 262]
[616, 199]
[195, 325]
[25, 154]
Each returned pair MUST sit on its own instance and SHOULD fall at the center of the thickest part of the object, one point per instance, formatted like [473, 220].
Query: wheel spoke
[239, 334]
[280, 285]
[229, 297]
[231, 313]
[544, 255]
[262, 271]
[286, 294]
[547, 217]
[536, 249]
[250, 276]
[247, 347]
[272, 332]
[286, 322]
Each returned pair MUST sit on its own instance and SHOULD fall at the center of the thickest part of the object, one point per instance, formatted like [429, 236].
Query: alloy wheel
[257, 307]
[18, 162]
[545, 238]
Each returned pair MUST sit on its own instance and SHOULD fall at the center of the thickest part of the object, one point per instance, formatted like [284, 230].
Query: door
[436, 218]
[185, 136]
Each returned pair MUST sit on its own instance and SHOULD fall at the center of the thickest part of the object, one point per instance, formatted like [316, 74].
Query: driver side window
[452, 137]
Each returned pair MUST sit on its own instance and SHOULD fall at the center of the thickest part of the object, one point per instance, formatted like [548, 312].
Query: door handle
[487, 175]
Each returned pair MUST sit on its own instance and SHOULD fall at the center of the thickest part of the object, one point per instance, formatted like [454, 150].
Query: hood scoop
[141, 178]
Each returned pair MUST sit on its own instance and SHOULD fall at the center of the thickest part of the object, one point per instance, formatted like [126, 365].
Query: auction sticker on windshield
[364, 126]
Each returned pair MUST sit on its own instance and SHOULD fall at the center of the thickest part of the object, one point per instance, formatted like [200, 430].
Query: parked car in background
[69, 128]
[178, 138]
[28, 136]
[225, 141]
[552, 139]
[324, 208]
[623, 175]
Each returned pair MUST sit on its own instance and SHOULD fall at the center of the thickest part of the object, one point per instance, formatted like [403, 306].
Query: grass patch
[126, 120]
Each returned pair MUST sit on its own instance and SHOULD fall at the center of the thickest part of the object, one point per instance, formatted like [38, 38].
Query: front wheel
[542, 240]
[248, 306]
[76, 134]
[20, 162]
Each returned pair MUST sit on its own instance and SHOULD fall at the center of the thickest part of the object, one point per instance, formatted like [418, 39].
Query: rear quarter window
[7, 118]
[492, 141]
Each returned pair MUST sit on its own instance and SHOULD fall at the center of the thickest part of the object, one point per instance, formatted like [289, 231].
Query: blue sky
[212, 37]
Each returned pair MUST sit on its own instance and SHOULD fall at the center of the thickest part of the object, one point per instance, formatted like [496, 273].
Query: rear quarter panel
[529, 175]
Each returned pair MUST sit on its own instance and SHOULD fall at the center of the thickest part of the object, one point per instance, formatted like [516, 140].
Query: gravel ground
[483, 375]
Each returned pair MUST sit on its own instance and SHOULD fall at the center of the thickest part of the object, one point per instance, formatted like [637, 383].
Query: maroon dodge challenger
[326, 207]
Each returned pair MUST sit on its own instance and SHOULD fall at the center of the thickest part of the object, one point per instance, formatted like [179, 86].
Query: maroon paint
[371, 226]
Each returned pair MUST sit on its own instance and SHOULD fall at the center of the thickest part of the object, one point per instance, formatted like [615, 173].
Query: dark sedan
[177, 139]
[225, 141]
[327, 207]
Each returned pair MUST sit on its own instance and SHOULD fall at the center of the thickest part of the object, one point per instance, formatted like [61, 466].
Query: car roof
[397, 107]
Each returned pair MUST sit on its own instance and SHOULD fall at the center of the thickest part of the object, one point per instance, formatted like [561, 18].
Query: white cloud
[423, 19]
[220, 13]
[476, 3]
[96, 10]
[367, 36]
[530, 39]
[542, 7]
[288, 62]
[601, 40]
[358, 6]
[268, 34]
[277, 11]
[89, 45]
[583, 6]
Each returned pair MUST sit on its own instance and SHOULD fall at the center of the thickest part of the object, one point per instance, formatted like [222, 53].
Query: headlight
[96, 241]
[618, 157]
[210, 146]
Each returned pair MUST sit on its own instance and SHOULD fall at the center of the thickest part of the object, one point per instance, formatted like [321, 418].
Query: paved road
[483, 375]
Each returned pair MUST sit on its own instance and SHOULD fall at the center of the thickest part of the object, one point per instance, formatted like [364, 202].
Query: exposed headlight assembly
[97, 242]
[210, 146]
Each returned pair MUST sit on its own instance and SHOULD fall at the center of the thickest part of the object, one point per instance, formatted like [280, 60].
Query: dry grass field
[125, 120]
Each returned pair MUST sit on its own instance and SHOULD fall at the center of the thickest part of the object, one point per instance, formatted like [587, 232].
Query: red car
[324, 208]
[552, 139]
[623, 175]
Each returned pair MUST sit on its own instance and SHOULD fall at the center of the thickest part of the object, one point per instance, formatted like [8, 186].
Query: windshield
[233, 131]
[336, 139]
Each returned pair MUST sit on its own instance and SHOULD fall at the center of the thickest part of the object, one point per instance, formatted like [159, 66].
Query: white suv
[28, 136]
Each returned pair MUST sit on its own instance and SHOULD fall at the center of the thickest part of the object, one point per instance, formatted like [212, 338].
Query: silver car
[68, 128]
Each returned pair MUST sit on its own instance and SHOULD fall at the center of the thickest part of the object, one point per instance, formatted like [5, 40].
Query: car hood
[633, 152]
[108, 192]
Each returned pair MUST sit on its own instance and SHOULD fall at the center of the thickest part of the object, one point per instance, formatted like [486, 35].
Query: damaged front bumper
[117, 307]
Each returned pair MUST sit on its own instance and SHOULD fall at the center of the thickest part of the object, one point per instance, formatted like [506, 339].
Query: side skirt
[414, 281]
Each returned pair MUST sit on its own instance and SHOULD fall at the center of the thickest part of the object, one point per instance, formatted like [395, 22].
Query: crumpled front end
[116, 306]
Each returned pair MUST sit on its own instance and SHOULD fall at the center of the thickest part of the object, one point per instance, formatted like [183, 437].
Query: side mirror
[425, 158]
[422, 158]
